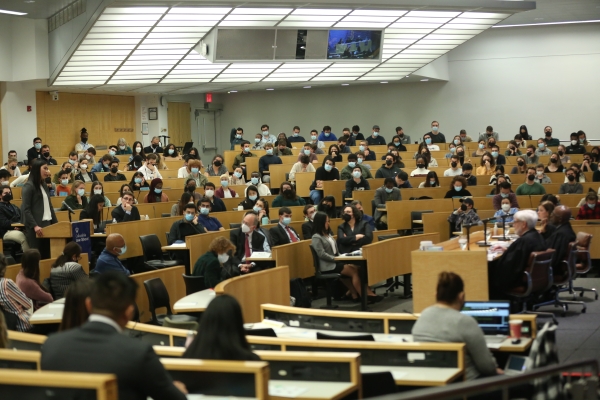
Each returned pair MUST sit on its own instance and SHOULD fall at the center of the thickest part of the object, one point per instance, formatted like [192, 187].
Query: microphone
[68, 208]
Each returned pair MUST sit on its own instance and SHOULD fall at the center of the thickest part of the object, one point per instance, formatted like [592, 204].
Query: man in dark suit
[506, 272]
[560, 239]
[248, 239]
[282, 233]
[154, 146]
[307, 227]
[126, 211]
[98, 346]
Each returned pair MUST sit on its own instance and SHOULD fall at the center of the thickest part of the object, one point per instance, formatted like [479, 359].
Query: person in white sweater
[304, 165]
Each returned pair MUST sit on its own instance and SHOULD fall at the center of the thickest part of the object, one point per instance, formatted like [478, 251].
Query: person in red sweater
[28, 279]
[590, 210]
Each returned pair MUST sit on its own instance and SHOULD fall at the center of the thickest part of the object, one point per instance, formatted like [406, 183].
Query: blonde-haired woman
[217, 263]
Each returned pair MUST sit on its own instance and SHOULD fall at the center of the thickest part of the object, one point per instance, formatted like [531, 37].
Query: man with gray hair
[506, 272]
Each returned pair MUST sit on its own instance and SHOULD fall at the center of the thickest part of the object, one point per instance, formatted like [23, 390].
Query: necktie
[292, 235]
[247, 246]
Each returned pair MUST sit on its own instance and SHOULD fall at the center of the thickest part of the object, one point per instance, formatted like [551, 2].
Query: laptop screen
[491, 316]
[516, 363]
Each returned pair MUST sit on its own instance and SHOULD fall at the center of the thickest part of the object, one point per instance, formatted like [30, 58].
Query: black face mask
[13, 167]
[46, 154]
[154, 146]
[346, 217]
[571, 178]
[548, 134]
[7, 197]
[114, 170]
[467, 175]
[68, 170]
[84, 140]
[218, 163]
[553, 160]
[463, 207]
[420, 165]
[388, 162]
[453, 164]
[520, 163]
[48, 180]
[561, 153]
[531, 177]
[191, 189]
[529, 153]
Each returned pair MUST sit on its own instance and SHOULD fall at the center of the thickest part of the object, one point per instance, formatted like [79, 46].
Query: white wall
[24, 48]
[504, 77]
[19, 127]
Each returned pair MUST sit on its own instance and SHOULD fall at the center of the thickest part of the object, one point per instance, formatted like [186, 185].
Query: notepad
[178, 245]
[56, 306]
[39, 316]
[285, 391]
[260, 254]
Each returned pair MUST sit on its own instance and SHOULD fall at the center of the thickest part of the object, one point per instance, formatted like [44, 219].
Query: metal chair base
[581, 290]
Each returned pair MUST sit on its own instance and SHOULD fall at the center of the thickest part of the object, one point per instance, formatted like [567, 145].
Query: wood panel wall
[180, 129]
[59, 122]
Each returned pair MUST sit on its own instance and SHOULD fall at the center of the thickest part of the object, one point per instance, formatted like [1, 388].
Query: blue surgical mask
[37, 146]
[237, 174]
[238, 136]
[458, 188]
[452, 149]
[432, 183]
[286, 221]
[171, 151]
[592, 206]
[328, 167]
[296, 134]
[361, 147]
[64, 182]
[307, 152]
[138, 180]
[224, 183]
[246, 149]
[252, 197]
[494, 154]
[112, 153]
[72, 162]
[375, 134]
[270, 152]
[504, 195]
[351, 164]
[80, 192]
[204, 210]
[158, 191]
[327, 134]
[189, 217]
[482, 146]
[389, 190]
[428, 141]
[264, 220]
[541, 145]
[397, 144]
[360, 160]
[122, 250]
[356, 174]
[195, 170]
[257, 209]
[313, 137]
[265, 133]
[456, 142]
[254, 181]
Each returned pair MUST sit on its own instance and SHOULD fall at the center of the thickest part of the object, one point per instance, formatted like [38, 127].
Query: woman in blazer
[353, 233]
[36, 207]
[326, 248]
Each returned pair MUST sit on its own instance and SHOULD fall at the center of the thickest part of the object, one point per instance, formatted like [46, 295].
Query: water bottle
[496, 229]
[147, 217]
[265, 220]
[189, 338]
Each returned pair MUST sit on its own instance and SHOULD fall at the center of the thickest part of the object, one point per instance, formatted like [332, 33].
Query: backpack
[299, 292]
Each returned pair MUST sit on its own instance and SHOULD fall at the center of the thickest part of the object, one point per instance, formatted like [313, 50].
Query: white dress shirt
[47, 214]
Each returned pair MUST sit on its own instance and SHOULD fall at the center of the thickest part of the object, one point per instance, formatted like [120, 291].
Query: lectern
[59, 234]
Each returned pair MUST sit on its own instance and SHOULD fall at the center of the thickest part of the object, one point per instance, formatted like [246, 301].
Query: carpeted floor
[578, 333]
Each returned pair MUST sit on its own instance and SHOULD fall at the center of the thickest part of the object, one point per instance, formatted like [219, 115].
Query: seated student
[464, 215]
[114, 174]
[370, 220]
[281, 148]
[530, 156]
[512, 150]
[210, 224]
[156, 195]
[505, 209]
[560, 238]
[35, 152]
[354, 232]
[368, 153]
[89, 155]
[401, 181]
[421, 169]
[429, 142]
[75, 312]
[85, 175]
[137, 150]
[530, 187]
[261, 207]
[263, 190]
[66, 270]
[375, 139]
[112, 151]
[424, 151]
[590, 209]
[223, 336]
[224, 192]
[249, 238]
[98, 188]
[138, 182]
[506, 272]
[458, 188]
[326, 248]
[46, 155]
[397, 143]
[240, 159]
[454, 169]
[499, 172]
[387, 192]
[251, 197]
[571, 187]
[389, 169]
[346, 172]
[309, 216]
[282, 233]
[170, 153]
[77, 199]
[104, 164]
[343, 145]
[124, 188]
[190, 187]
[137, 368]
[576, 147]
[505, 192]
[150, 168]
[199, 178]
[178, 208]
[217, 167]
[357, 182]
[217, 264]
[187, 226]
[468, 174]
[542, 150]
[499, 159]
[540, 176]
[94, 211]
[62, 188]
[265, 161]
[28, 279]
[287, 196]
[217, 204]
[12, 167]
[295, 137]
[126, 211]
[109, 258]
[544, 211]
[154, 146]
[10, 214]
[237, 178]
[588, 164]
[431, 180]
[404, 138]
[304, 165]
[136, 163]
[316, 144]
[488, 165]
[443, 322]
[521, 167]
[123, 147]
[13, 300]
[308, 151]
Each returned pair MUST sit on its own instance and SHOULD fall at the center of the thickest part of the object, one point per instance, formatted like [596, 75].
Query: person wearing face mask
[505, 209]
[326, 135]
[195, 174]
[346, 172]
[334, 152]
[451, 150]
[343, 145]
[77, 199]
[112, 151]
[46, 155]
[354, 232]
[309, 216]
[83, 145]
[154, 146]
[5, 178]
[187, 226]
[12, 167]
[237, 136]
[389, 169]
[304, 165]
[11, 214]
[542, 150]
[404, 138]
[217, 264]
[369, 155]
[137, 162]
[263, 190]
[281, 149]
[97, 188]
[397, 144]
[505, 192]
[283, 233]
[85, 174]
[530, 187]
[217, 204]
[179, 207]
[137, 150]
[524, 135]
[540, 176]
[458, 188]
[387, 192]
[357, 182]
[468, 174]
[138, 182]
[431, 180]
[576, 147]
[512, 150]
[308, 151]
[62, 188]
[327, 206]
[251, 198]
[89, 155]
[489, 133]
[350, 140]
[237, 178]
[95, 212]
[104, 164]
[240, 159]
[171, 153]
[261, 207]
[127, 211]
[296, 137]
[588, 164]
[554, 164]
[248, 238]
[314, 140]
[464, 137]
[481, 149]
[190, 187]
[326, 172]
[499, 159]
[426, 153]
[114, 174]
[258, 142]
[266, 137]
[109, 258]
[156, 195]
[506, 272]
[548, 139]
[443, 322]
[435, 134]
[464, 215]
[35, 152]
[265, 161]
[488, 165]
[421, 169]
[376, 139]
[590, 210]
[455, 168]
[123, 147]
[287, 196]
[224, 192]
[428, 141]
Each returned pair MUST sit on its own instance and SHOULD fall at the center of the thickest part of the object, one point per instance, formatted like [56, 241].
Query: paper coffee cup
[515, 328]
[240, 208]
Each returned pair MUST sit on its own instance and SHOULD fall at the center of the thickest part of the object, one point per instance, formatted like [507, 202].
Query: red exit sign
[208, 97]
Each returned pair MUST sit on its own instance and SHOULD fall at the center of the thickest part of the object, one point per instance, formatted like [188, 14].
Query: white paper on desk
[398, 375]
[186, 304]
[38, 316]
[56, 306]
[285, 391]
[178, 245]
[494, 345]
[260, 254]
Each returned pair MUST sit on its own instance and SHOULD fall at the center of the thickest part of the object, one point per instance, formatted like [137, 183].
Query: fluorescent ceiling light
[331, 78]
[69, 83]
[232, 91]
[320, 11]
[482, 21]
[424, 20]
[345, 84]
[440, 14]
[192, 17]
[247, 23]
[414, 25]
[199, 10]
[386, 13]
[424, 80]
[129, 17]
[135, 10]
[12, 12]
[118, 24]
[289, 79]
[250, 65]
[383, 82]
[311, 18]
[368, 18]
[132, 81]
[259, 11]
[307, 87]
[241, 17]
[548, 23]
[483, 15]
[361, 24]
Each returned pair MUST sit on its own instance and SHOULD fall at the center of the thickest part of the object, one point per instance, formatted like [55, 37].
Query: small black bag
[299, 292]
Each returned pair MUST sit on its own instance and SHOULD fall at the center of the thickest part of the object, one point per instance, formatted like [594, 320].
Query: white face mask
[97, 191]
[223, 258]
[245, 228]
[506, 207]
[83, 166]
[209, 193]
[138, 149]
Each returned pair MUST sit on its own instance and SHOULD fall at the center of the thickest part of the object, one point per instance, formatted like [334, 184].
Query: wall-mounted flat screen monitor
[345, 44]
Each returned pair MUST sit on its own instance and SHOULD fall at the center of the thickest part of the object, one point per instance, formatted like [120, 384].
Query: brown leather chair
[563, 275]
[583, 261]
[538, 280]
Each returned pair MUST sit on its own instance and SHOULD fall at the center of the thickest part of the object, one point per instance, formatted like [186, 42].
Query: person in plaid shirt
[590, 210]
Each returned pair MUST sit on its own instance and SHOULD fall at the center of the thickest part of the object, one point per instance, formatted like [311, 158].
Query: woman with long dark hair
[94, 212]
[327, 205]
[179, 207]
[66, 270]
[171, 153]
[287, 196]
[75, 312]
[137, 150]
[354, 232]
[251, 198]
[36, 207]
[221, 334]
[28, 279]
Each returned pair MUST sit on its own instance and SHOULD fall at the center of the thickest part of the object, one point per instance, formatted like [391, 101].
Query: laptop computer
[492, 317]
[515, 365]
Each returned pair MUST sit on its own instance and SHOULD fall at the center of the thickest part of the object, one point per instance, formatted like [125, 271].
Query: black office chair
[165, 215]
[193, 284]
[378, 384]
[153, 255]
[234, 225]
[158, 297]
[167, 235]
[362, 338]
[327, 277]
[415, 227]
[275, 221]
[13, 248]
